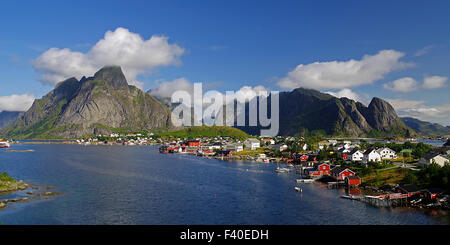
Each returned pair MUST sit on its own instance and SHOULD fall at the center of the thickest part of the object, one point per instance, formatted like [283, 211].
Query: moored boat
[4, 144]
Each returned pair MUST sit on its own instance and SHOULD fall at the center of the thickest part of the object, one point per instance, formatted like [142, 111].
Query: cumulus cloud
[16, 102]
[348, 93]
[406, 84]
[120, 47]
[400, 104]
[418, 109]
[434, 82]
[344, 74]
[165, 89]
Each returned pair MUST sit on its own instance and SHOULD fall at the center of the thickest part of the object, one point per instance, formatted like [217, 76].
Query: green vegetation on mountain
[306, 112]
[207, 131]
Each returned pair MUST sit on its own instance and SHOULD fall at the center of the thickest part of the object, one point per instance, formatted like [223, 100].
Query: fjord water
[137, 185]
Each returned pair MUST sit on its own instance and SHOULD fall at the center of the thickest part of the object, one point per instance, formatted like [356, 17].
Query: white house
[371, 155]
[278, 147]
[252, 143]
[304, 146]
[431, 157]
[235, 147]
[387, 153]
[355, 155]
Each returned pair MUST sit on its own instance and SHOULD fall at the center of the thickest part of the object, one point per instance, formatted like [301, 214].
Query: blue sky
[230, 44]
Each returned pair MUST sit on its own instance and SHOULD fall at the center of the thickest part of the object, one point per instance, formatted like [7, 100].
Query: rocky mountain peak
[113, 75]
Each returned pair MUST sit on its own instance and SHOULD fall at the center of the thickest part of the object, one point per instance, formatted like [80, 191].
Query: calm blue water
[137, 185]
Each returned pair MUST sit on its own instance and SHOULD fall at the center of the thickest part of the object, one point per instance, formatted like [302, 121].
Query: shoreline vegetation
[8, 185]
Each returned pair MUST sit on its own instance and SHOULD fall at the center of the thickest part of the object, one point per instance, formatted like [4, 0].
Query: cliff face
[305, 111]
[7, 118]
[91, 106]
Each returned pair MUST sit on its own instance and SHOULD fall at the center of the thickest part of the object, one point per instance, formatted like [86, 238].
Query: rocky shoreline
[35, 192]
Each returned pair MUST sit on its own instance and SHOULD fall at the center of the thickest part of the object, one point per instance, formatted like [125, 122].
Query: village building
[339, 173]
[278, 147]
[435, 157]
[355, 155]
[352, 180]
[387, 153]
[234, 147]
[371, 155]
[252, 144]
[319, 170]
[193, 143]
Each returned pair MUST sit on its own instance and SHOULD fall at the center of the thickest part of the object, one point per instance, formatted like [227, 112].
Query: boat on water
[282, 170]
[305, 180]
[4, 144]
[163, 149]
[298, 189]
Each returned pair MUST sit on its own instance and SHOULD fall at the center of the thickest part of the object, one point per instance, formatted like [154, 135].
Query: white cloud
[423, 51]
[408, 84]
[418, 109]
[405, 84]
[400, 104]
[165, 89]
[348, 93]
[16, 102]
[344, 74]
[434, 82]
[120, 47]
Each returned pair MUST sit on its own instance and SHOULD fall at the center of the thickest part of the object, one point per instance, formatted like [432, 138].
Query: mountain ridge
[426, 128]
[90, 106]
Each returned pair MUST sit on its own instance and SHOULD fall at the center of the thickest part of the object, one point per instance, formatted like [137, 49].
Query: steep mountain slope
[307, 111]
[7, 118]
[91, 106]
[426, 128]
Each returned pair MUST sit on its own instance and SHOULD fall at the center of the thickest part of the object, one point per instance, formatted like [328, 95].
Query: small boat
[305, 180]
[4, 144]
[282, 170]
[298, 189]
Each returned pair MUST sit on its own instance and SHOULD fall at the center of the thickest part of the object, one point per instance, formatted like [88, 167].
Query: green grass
[4, 178]
[207, 131]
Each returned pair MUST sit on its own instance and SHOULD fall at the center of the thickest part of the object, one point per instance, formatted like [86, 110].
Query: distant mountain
[7, 118]
[426, 128]
[93, 105]
[307, 111]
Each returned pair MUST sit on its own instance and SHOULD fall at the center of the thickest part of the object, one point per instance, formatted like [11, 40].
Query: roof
[434, 190]
[353, 151]
[319, 163]
[410, 188]
[368, 151]
[253, 140]
[431, 155]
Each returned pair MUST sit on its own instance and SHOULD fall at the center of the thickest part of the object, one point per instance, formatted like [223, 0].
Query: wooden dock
[385, 201]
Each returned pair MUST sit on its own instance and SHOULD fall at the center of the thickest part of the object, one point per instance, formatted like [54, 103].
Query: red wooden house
[304, 158]
[352, 180]
[319, 170]
[344, 156]
[339, 173]
[194, 143]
